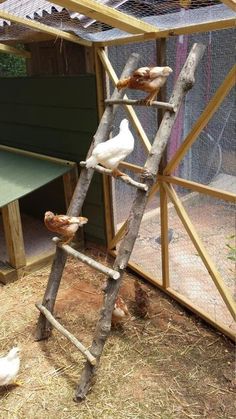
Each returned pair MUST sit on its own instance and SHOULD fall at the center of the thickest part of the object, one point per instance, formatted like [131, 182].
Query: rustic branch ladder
[145, 187]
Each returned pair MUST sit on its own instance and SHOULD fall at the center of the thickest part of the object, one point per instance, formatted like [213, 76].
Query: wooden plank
[164, 237]
[133, 117]
[58, 118]
[180, 298]
[207, 190]
[166, 33]
[107, 185]
[6, 49]
[41, 27]
[108, 15]
[14, 235]
[37, 155]
[69, 182]
[203, 120]
[8, 274]
[57, 143]
[230, 3]
[222, 288]
[50, 91]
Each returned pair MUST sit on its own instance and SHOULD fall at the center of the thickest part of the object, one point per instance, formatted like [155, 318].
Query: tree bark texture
[67, 334]
[133, 102]
[43, 329]
[125, 178]
[184, 83]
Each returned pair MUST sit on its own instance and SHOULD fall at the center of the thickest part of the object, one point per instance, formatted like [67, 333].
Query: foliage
[12, 65]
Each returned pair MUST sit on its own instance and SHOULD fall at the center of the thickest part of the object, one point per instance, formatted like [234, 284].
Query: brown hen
[120, 312]
[63, 225]
[148, 79]
[141, 300]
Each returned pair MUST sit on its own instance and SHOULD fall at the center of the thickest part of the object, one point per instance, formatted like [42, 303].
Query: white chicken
[111, 152]
[9, 367]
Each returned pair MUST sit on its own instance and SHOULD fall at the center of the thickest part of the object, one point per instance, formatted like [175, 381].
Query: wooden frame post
[14, 235]
[107, 182]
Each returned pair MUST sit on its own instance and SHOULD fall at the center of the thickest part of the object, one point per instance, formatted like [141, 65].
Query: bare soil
[170, 365]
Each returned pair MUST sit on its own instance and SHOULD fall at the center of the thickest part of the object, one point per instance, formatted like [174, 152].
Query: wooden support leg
[44, 327]
[69, 181]
[103, 131]
[13, 234]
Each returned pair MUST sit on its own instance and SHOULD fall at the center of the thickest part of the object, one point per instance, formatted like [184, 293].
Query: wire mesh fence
[188, 274]
[210, 161]
[164, 14]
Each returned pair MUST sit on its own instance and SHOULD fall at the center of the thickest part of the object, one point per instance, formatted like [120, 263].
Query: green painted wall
[56, 116]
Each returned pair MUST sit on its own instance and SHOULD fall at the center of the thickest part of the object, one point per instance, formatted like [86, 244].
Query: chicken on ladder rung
[111, 152]
[147, 79]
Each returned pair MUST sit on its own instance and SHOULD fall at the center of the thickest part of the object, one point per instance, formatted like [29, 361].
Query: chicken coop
[75, 51]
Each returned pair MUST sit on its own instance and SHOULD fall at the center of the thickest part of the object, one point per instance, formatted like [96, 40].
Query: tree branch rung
[87, 354]
[134, 102]
[125, 178]
[89, 261]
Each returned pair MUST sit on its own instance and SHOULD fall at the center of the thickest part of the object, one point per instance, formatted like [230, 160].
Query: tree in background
[12, 66]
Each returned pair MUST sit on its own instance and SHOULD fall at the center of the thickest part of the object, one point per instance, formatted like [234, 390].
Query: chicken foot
[147, 101]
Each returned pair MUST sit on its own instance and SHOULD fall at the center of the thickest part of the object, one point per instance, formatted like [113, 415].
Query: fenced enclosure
[186, 243]
[208, 162]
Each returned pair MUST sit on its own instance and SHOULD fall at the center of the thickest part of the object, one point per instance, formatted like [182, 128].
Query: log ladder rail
[46, 320]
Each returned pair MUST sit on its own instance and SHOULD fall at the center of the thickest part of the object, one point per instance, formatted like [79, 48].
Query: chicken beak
[83, 220]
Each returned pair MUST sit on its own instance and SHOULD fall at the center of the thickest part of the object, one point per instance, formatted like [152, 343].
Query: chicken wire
[206, 158]
[212, 155]
[146, 253]
[162, 14]
[188, 274]
[209, 161]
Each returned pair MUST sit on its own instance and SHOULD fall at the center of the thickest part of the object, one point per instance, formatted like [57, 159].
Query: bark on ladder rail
[105, 126]
[184, 83]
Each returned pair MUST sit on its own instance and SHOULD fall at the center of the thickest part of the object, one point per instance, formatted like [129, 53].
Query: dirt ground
[170, 365]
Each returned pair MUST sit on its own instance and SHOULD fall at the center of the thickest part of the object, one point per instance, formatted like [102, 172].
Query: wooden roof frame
[230, 3]
[108, 15]
[139, 30]
[41, 27]
[6, 49]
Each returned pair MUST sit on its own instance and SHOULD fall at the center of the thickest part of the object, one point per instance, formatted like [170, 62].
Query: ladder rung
[155, 104]
[125, 178]
[89, 261]
[66, 333]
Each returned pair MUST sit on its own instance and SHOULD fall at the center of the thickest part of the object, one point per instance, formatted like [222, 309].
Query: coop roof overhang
[108, 15]
[41, 27]
[90, 22]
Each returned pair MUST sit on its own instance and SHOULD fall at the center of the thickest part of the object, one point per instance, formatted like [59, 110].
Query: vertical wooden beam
[164, 237]
[14, 235]
[69, 182]
[107, 185]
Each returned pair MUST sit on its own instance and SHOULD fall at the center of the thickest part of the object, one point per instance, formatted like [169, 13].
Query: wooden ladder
[147, 179]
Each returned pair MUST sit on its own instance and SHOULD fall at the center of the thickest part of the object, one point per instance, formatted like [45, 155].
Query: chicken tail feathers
[91, 162]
